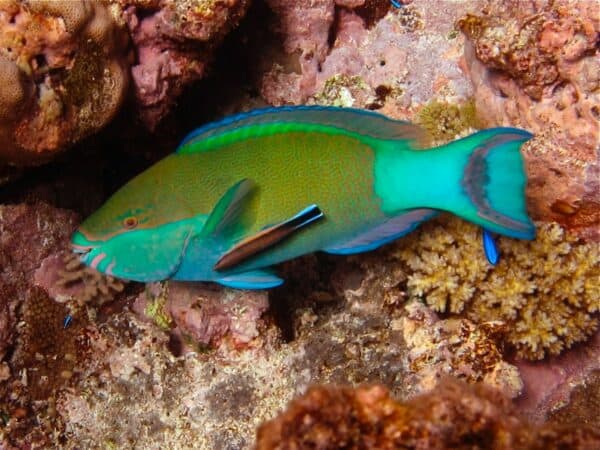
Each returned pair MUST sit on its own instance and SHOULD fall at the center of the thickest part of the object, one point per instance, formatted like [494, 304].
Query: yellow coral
[445, 121]
[546, 290]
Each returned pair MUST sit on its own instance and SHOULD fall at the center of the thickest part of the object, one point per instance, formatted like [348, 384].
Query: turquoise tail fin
[480, 178]
[493, 181]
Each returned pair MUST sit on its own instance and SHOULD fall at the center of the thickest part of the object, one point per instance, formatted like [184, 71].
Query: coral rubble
[64, 74]
[458, 347]
[454, 415]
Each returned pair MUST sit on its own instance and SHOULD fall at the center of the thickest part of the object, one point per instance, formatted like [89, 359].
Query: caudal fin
[493, 181]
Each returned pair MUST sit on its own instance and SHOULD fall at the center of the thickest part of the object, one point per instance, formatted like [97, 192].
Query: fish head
[132, 236]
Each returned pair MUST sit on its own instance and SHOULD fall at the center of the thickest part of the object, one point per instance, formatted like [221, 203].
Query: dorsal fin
[358, 121]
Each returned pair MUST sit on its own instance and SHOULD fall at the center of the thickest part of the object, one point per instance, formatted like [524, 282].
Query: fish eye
[130, 222]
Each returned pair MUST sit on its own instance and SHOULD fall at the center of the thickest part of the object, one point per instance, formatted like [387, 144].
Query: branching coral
[453, 415]
[64, 74]
[66, 278]
[546, 291]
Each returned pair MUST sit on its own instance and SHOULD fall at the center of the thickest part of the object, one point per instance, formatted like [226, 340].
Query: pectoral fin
[268, 237]
[228, 208]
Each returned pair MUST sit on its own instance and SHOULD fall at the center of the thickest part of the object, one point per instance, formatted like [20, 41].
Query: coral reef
[43, 353]
[444, 122]
[453, 415]
[205, 315]
[455, 347]
[535, 65]
[64, 74]
[583, 404]
[548, 384]
[175, 42]
[367, 54]
[544, 291]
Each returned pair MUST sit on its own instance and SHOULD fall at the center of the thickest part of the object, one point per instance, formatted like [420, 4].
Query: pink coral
[205, 314]
[64, 72]
[175, 41]
[348, 59]
[548, 384]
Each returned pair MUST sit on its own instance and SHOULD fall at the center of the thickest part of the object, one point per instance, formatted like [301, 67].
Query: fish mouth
[81, 245]
[81, 249]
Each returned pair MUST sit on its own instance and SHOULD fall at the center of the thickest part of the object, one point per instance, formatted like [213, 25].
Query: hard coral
[64, 73]
[453, 415]
[445, 121]
[175, 42]
[204, 315]
[545, 291]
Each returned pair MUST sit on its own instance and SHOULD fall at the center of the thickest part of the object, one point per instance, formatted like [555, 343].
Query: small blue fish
[490, 248]
[67, 321]
[396, 4]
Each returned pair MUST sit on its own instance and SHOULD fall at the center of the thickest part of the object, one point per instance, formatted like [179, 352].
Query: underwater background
[422, 344]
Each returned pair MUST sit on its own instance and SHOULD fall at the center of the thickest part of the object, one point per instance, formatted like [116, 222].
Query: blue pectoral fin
[382, 234]
[253, 279]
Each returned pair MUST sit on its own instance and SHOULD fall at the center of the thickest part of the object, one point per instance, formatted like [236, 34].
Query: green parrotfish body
[255, 189]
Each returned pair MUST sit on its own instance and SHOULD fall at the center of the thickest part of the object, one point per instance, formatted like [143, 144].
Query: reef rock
[204, 315]
[535, 65]
[454, 415]
[64, 74]
[174, 41]
[368, 54]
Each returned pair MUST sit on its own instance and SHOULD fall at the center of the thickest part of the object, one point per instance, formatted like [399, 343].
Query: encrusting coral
[175, 42]
[454, 415]
[545, 291]
[64, 73]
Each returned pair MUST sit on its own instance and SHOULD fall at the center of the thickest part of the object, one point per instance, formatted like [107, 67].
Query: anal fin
[268, 237]
[382, 234]
[253, 279]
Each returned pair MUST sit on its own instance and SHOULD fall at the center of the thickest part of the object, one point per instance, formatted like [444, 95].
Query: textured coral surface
[453, 416]
[64, 73]
[175, 42]
[535, 64]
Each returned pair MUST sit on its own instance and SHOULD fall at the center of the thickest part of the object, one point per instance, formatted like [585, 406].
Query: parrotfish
[244, 194]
